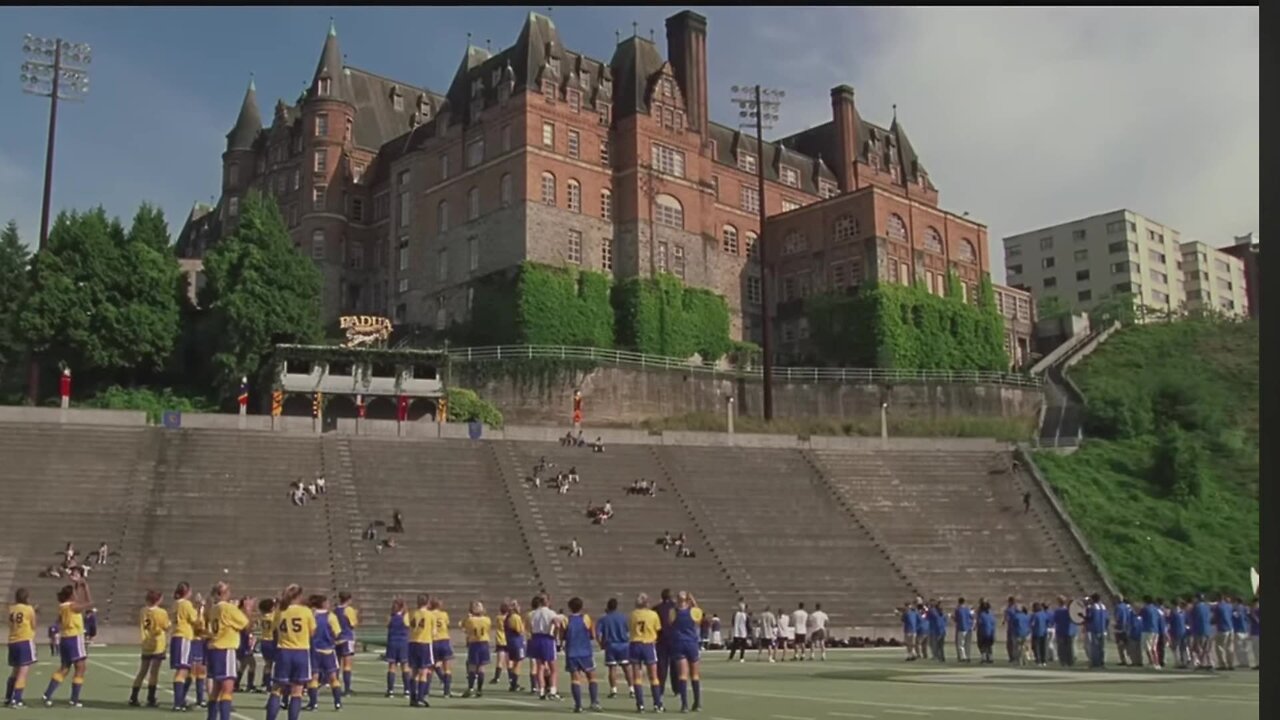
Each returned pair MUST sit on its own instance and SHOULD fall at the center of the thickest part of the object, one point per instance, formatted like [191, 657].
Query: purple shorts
[543, 648]
[72, 649]
[579, 664]
[420, 656]
[644, 654]
[293, 667]
[324, 664]
[22, 653]
[477, 654]
[179, 654]
[221, 663]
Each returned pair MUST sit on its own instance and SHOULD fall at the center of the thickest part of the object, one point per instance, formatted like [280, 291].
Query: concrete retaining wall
[71, 416]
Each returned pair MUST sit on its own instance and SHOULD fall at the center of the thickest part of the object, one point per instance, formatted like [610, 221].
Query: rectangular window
[715, 186]
[506, 138]
[381, 207]
[1159, 277]
[357, 210]
[1015, 269]
[233, 206]
[322, 124]
[606, 204]
[1225, 284]
[473, 253]
[746, 161]
[575, 247]
[837, 275]
[297, 178]
[504, 190]
[602, 113]
[321, 161]
[749, 198]
[1013, 251]
[549, 90]
[357, 172]
[1221, 266]
[789, 205]
[1046, 243]
[1133, 226]
[444, 167]
[1123, 267]
[753, 290]
[317, 197]
[549, 135]
[790, 177]
[404, 253]
[442, 265]
[1047, 263]
[1082, 275]
[827, 189]
[604, 152]
[668, 160]
[677, 261]
[575, 140]
[403, 286]
[575, 100]
[473, 204]
[317, 245]
[1081, 255]
[475, 152]
[1114, 227]
[1084, 295]
[548, 189]
[1077, 235]
[606, 254]
[788, 288]
[1160, 297]
[662, 257]
[1156, 257]
[355, 255]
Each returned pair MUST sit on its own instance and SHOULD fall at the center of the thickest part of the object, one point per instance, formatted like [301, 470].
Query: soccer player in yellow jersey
[199, 663]
[267, 639]
[476, 626]
[441, 648]
[153, 624]
[513, 628]
[500, 641]
[421, 633]
[295, 624]
[73, 601]
[643, 630]
[22, 647]
[185, 620]
[225, 621]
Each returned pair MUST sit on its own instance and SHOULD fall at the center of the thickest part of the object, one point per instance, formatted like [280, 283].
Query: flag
[577, 407]
[442, 410]
[243, 397]
[315, 405]
[402, 408]
[360, 406]
[277, 403]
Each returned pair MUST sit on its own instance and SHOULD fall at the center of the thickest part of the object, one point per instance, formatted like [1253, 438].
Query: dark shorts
[398, 652]
[197, 652]
[345, 648]
[579, 664]
[73, 649]
[222, 664]
[268, 650]
[685, 651]
[179, 654]
[442, 650]
[643, 654]
[516, 650]
[245, 651]
[292, 667]
[477, 654]
[616, 654]
[324, 663]
[543, 648]
[22, 653]
[420, 656]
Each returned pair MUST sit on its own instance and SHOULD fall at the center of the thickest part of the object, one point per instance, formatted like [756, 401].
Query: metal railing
[786, 374]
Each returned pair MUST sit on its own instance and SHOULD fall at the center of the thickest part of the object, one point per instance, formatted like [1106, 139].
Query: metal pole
[33, 369]
[766, 325]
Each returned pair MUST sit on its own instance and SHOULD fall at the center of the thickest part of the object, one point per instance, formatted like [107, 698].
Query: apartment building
[1082, 262]
[1247, 248]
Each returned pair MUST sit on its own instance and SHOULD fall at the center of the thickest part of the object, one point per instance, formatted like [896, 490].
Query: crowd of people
[71, 562]
[775, 632]
[300, 492]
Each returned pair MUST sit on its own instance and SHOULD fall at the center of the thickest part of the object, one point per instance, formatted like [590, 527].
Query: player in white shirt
[800, 626]
[739, 638]
[818, 631]
[767, 628]
[785, 636]
[544, 626]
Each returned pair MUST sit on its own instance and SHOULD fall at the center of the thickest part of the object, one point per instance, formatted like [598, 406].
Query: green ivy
[908, 327]
[465, 405]
[541, 305]
[661, 316]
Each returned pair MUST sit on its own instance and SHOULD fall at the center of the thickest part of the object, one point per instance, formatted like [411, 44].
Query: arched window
[967, 252]
[548, 189]
[574, 196]
[504, 190]
[895, 229]
[932, 240]
[846, 228]
[668, 211]
[317, 244]
[606, 204]
[473, 203]
[730, 234]
[752, 250]
[442, 216]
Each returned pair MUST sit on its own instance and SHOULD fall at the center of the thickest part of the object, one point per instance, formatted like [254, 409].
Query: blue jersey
[1021, 624]
[986, 623]
[1255, 621]
[1096, 618]
[664, 609]
[1136, 625]
[344, 622]
[1151, 620]
[90, 624]
[1123, 614]
[1222, 617]
[1039, 624]
[684, 628]
[323, 639]
[964, 618]
[577, 637]
[1201, 619]
[1010, 622]
[612, 629]
[910, 622]
[1177, 624]
[939, 621]
[1240, 619]
[1062, 624]
[397, 629]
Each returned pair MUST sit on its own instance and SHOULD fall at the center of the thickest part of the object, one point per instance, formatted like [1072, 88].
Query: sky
[1024, 117]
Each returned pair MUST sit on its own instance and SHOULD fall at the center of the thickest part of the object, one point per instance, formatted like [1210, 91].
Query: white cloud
[1030, 117]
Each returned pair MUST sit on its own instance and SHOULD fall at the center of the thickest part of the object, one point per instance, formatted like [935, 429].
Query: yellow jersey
[643, 626]
[294, 627]
[185, 619]
[267, 628]
[422, 626]
[500, 631]
[225, 623]
[154, 625]
[22, 622]
[477, 628]
[353, 617]
[517, 624]
[441, 631]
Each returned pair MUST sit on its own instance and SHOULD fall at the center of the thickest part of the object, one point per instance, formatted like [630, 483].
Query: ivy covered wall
[663, 317]
[899, 326]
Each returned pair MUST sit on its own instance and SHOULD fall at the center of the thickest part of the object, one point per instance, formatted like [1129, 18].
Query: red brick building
[406, 197]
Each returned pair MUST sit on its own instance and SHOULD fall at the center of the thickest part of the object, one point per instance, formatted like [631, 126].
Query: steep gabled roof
[377, 119]
[821, 140]
[330, 66]
[729, 142]
[635, 62]
[248, 122]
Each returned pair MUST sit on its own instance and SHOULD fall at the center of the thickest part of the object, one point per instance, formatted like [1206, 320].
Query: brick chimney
[687, 51]
[845, 122]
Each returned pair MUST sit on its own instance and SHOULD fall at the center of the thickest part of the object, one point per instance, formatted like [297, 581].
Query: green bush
[465, 405]
[1117, 410]
[152, 401]
[661, 316]
[1179, 466]
[907, 327]
[541, 305]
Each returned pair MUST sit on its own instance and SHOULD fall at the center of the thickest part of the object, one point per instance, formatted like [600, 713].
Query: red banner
[64, 384]
[402, 408]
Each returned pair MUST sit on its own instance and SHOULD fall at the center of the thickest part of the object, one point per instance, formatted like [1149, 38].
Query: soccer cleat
[577, 709]
[639, 708]
[554, 696]
[596, 707]
[659, 709]
[337, 707]
[75, 704]
[47, 702]
[467, 693]
[133, 702]
[390, 693]
[479, 693]
[17, 705]
[697, 707]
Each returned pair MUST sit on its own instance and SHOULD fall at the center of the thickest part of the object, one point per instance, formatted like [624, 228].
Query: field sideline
[850, 685]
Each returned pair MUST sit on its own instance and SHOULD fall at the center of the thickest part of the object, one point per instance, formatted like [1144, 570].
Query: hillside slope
[1166, 483]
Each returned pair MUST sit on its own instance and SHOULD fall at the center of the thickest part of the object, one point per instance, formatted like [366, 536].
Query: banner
[577, 407]
[402, 408]
[315, 405]
[243, 397]
[277, 403]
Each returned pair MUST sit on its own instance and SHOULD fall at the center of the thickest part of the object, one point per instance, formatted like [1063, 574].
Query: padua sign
[365, 329]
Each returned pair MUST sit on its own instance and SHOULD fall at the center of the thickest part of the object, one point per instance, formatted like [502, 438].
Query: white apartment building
[1084, 261]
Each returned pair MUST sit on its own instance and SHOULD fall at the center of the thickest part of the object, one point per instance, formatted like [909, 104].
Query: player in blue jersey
[397, 654]
[324, 657]
[579, 654]
[986, 625]
[685, 618]
[611, 632]
[348, 620]
[246, 654]
[266, 639]
[910, 625]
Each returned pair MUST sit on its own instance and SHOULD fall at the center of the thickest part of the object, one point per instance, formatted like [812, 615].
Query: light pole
[759, 106]
[58, 70]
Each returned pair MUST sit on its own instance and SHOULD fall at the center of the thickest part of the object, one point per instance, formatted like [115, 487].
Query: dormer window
[549, 90]
[746, 161]
[585, 80]
[554, 64]
[397, 101]
[603, 111]
[606, 86]
[790, 177]
[666, 88]
[323, 86]
[476, 86]
[424, 108]
[575, 100]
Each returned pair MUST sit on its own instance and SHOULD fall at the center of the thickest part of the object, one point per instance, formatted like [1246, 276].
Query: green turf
[850, 685]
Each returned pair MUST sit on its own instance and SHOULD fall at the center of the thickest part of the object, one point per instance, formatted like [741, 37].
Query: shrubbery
[465, 405]
[154, 402]
[661, 316]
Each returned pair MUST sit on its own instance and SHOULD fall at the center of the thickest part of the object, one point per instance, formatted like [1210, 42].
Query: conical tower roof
[248, 123]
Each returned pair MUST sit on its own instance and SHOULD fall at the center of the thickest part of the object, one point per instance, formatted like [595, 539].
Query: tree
[1118, 307]
[14, 285]
[259, 292]
[104, 301]
[1052, 308]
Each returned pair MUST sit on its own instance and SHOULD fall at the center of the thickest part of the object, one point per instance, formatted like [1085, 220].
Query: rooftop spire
[248, 122]
[333, 29]
[330, 67]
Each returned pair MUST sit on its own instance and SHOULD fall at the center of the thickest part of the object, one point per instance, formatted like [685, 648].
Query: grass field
[850, 685]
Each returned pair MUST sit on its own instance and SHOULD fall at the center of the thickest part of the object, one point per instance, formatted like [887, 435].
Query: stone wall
[629, 395]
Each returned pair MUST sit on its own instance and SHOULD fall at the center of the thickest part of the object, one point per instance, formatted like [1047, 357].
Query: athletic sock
[682, 689]
[177, 694]
[577, 696]
[471, 681]
[211, 713]
[697, 692]
[448, 681]
[480, 681]
[54, 682]
[407, 678]
[295, 708]
[224, 709]
[76, 684]
[657, 695]
[199, 690]
[515, 680]
[253, 678]
[133, 692]
[593, 689]
[337, 694]
[151, 694]
[8, 689]
[273, 706]
[17, 694]
[391, 682]
[639, 691]
[411, 687]
[313, 694]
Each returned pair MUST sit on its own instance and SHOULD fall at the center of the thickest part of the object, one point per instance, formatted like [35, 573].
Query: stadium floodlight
[59, 70]
[758, 106]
